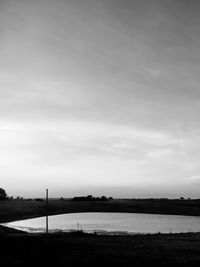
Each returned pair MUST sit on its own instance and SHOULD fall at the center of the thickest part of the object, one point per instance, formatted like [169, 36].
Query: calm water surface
[111, 223]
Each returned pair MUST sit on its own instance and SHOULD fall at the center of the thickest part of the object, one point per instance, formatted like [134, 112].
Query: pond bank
[77, 249]
[23, 209]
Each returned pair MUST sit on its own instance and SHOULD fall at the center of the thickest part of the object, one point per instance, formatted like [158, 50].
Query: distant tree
[3, 195]
[103, 198]
[19, 198]
[181, 198]
[39, 199]
[89, 197]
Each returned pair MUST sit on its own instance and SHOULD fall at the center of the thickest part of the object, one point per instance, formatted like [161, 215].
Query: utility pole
[47, 212]
[47, 227]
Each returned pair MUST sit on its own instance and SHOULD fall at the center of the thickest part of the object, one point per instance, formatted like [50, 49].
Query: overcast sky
[100, 97]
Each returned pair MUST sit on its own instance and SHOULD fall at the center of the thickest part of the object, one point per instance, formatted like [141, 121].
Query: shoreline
[98, 231]
[23, 209]
[19, 248]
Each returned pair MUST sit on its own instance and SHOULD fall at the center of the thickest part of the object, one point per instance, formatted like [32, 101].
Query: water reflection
[111, 222]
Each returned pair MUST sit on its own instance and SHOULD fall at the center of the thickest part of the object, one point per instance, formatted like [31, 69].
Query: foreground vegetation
[78, 249]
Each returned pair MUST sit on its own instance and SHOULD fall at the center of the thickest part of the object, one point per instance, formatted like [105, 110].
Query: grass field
[22, 209]
[78, 249]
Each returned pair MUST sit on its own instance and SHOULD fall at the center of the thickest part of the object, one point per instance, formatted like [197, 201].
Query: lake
[111, 223]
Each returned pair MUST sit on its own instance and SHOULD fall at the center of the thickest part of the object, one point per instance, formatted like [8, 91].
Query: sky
[100, 97]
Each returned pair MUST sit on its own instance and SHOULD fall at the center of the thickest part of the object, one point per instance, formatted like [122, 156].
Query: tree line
[91, 198]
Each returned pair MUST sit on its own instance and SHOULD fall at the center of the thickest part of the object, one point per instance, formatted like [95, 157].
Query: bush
[3, 195]
[39, 199]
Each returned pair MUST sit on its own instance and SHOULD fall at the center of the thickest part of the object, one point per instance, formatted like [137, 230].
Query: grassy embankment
[15, 210]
